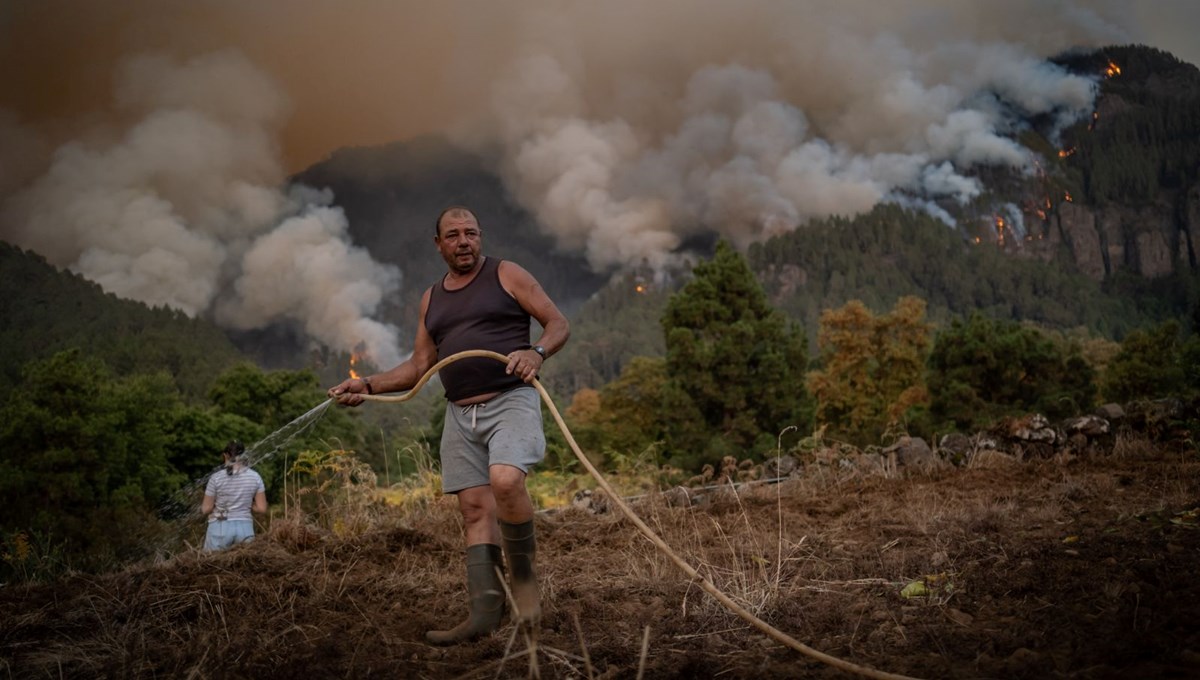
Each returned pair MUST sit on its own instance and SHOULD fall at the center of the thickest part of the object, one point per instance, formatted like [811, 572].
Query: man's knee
[506, 481]
[476, 504]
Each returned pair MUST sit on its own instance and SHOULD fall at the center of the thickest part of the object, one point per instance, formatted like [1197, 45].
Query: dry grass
[1045, 567]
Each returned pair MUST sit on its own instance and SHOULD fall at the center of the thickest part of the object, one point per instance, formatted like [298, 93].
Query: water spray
[182, 504]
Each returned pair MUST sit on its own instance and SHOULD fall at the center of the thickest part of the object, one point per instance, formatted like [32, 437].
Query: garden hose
[708, 586]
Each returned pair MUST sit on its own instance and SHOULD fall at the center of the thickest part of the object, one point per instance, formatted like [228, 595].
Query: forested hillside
[879, 258]
[46, 310]
[1145, 136]
[892, 252]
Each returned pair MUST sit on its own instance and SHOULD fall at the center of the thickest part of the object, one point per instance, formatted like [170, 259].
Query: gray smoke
[183, 205]
[763, 115]
[625, 126]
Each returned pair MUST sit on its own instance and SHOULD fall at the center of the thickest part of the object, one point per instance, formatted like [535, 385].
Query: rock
[1088, 426]
[1079, 230]
[678, 497]
[781, 466]
[582, 500]
[1111, 412]
[1152, 253]
[595, 502]
[912, 452]
[983, 442]
[955, 447]
[1033, 428]
[872, 462]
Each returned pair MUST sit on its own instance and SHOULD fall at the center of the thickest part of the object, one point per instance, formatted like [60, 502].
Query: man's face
[459, 241]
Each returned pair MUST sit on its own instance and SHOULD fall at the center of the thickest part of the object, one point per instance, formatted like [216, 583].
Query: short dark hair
[437, 224]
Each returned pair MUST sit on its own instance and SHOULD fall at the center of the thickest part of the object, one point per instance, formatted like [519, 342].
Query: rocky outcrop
[1149, 240]
[1191, 228]
[1077, 226]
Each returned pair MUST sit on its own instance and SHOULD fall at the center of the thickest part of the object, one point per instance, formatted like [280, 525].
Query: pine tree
[734, 365]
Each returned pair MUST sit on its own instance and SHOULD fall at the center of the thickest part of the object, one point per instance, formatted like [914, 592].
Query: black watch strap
[540, 350]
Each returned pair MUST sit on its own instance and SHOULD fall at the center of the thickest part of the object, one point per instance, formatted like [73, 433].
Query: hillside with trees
[46, 310]
[110, 411]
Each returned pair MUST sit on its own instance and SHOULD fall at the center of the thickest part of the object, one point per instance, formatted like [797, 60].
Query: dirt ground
[1069, 567]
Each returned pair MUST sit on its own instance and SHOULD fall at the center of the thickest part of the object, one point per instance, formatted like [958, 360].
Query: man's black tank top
[480, 315]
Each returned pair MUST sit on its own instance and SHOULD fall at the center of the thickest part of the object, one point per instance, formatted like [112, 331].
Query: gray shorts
[505, 430]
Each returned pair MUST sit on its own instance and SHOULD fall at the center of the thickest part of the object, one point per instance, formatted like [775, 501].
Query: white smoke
[306, 269]
[184, 205]
[762, 115]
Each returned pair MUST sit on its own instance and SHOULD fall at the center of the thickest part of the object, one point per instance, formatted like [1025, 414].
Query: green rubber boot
[486, 591]
[520, 547]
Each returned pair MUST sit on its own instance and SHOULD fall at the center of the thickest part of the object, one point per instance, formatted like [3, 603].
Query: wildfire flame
[640, 288]
[1112, 70]
[1000, 227]
[1041, 213]
[1067, 197]
[354, 359]
[1064, 153]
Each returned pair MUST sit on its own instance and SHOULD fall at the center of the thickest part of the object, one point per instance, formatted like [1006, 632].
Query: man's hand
[525, 364]
[348, 392]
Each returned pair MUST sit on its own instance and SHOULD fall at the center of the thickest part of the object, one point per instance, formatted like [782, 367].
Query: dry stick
[587, 659]
[764, 627]
[645, 650]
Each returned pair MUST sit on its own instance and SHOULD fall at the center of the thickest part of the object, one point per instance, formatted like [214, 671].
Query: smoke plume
[182, 206]
[624, 126]
[769, 115]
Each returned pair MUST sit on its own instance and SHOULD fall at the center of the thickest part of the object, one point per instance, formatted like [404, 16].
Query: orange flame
[1041, 213]
[640, 288]
[354, 359]
[1112, 70]
[1064, 153]
[1067, 197]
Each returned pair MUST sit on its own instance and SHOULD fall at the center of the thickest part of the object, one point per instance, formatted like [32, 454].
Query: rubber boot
[486, 590]
[520, 547]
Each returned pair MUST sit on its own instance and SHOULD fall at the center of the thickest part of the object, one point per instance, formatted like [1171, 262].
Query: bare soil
[1069, 567]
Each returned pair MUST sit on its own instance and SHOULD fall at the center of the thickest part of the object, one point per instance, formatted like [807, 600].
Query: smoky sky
[146, 143]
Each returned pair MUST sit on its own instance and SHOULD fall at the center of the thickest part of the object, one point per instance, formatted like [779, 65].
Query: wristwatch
[540, 350]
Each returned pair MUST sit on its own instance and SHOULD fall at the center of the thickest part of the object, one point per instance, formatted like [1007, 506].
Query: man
[493, 431]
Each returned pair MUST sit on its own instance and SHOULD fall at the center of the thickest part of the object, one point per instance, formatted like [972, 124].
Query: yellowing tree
[872, 368]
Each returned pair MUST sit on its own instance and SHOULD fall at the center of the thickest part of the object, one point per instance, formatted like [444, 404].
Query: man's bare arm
[402, 377]
[533, 299]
